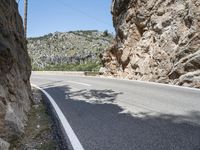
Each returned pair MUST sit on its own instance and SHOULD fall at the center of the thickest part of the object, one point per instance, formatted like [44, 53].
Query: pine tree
[25, 16]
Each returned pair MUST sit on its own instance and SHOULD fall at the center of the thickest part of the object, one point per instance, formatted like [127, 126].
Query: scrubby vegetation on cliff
[70, 51]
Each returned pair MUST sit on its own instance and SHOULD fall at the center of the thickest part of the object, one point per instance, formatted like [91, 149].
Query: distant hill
[74, 50]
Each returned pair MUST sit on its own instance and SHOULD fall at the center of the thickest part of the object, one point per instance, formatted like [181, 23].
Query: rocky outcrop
[15, 71]
[74, 47]
[156, 40]
[4, 145]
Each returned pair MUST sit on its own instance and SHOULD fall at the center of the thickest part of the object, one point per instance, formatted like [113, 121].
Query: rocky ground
[65, 48]
[39, 133]
[156, 40]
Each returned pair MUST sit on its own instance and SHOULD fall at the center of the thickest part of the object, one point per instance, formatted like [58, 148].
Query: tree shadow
[94, 96]
[102, 126]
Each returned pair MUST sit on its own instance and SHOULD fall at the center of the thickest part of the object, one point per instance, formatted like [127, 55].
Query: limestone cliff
[15, 71]
[156, 40]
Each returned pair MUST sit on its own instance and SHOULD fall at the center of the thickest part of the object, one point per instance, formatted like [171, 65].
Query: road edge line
[67, 128]
[80, 83]
[147, 82]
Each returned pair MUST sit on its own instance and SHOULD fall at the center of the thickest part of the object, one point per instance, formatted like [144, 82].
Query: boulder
[4, 145]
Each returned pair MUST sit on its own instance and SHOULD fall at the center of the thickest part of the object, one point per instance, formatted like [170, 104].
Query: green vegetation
[50, 145]
[69, 51]
[90, 66]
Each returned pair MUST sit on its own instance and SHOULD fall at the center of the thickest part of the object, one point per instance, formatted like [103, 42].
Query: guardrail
[70, 73]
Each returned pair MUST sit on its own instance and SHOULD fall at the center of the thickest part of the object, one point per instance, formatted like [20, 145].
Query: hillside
[75, 50]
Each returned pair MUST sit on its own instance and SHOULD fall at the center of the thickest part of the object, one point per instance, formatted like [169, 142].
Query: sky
[48, 16]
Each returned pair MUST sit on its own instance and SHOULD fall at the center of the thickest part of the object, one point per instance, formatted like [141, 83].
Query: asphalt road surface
[109, 114]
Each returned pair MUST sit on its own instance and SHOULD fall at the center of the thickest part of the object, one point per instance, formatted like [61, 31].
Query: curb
[66, 135]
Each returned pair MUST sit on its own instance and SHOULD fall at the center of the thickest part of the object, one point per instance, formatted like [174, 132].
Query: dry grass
[38, 133]
[2, 125]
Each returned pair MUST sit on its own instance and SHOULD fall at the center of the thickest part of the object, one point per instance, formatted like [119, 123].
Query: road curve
[109, 114]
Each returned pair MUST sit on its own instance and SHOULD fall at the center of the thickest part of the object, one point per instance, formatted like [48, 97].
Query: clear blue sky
[45, 16]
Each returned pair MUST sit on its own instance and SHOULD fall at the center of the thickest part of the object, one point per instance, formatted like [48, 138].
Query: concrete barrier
[70, 73]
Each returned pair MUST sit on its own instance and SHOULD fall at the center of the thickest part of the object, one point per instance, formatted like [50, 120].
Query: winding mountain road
[110, 114]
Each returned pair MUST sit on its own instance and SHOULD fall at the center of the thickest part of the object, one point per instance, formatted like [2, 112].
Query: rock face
[156, 40]
[15, 71]
[74, 47]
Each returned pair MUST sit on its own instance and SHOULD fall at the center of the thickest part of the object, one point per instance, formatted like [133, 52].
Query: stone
[14, 124]
[102, 70]
[15, 70]
[156, 41]
[4, 145]
[192, 79]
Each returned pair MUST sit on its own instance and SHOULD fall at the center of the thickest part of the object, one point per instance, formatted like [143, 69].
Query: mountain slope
[62, 49]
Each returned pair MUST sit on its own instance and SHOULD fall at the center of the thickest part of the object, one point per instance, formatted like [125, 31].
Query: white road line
[145, 82]
[79, 83]
[69, 131]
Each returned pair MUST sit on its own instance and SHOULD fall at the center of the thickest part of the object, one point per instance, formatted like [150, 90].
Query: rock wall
[156, 40]
[15, 69]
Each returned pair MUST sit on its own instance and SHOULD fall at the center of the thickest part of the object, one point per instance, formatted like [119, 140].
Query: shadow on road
[101, 126]
[94, 96]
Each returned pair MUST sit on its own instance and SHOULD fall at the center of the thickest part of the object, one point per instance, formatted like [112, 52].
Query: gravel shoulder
[39, 133]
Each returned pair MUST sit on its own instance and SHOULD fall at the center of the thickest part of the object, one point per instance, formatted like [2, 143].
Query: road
[109, 114]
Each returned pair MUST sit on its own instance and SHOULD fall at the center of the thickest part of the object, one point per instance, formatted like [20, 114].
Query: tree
[105, 33]
[25, 16]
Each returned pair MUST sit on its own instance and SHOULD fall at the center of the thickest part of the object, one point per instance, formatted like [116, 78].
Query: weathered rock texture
[156, 40]
[15, 71]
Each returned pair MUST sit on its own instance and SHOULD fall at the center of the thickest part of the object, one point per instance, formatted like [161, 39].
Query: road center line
[68, 130]
[80, 83]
